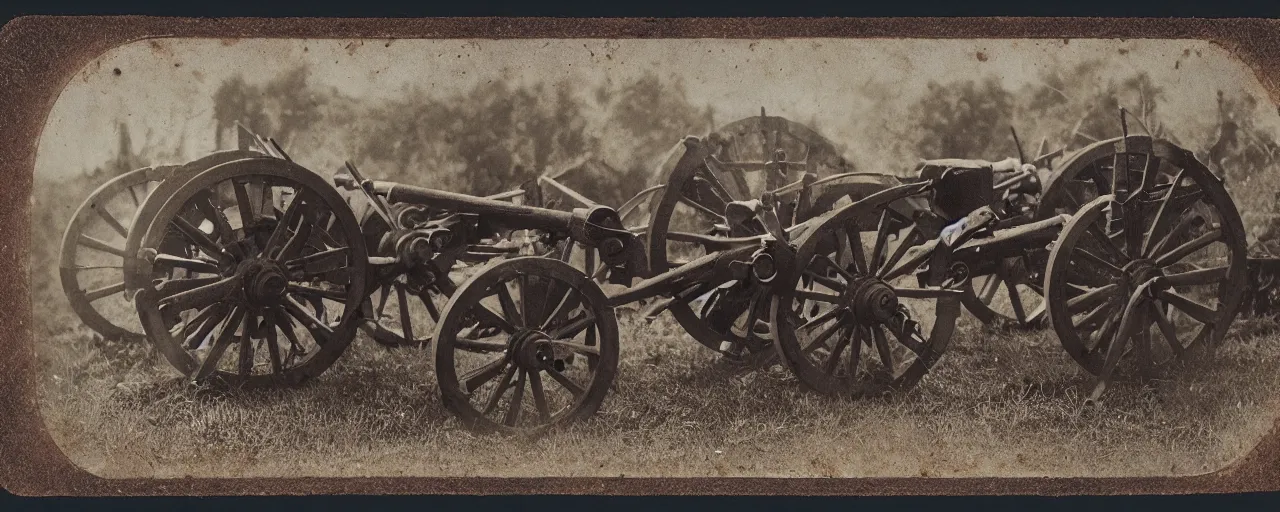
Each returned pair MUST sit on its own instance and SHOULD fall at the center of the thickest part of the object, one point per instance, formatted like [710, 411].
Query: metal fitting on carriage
[611, 248]
[411, 217]
[344, 181]
[763, 266]
[421, 245]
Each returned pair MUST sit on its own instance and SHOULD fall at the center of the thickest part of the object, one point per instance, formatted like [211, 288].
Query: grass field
[997, 404]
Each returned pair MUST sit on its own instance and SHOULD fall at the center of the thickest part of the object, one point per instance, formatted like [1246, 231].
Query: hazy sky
[164, 86]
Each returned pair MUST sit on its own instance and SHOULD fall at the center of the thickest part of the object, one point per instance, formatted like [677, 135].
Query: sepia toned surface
[999, 407]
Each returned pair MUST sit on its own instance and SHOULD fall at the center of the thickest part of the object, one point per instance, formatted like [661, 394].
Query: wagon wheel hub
[1138, 272]
[871, 300]
[531, 350]
[265, 283]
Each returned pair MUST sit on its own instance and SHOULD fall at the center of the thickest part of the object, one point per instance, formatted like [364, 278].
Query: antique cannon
[754, 254]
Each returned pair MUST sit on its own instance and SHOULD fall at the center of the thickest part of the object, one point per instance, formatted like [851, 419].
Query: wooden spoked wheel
[273, 272]
[512, 351]
[1012, 297]
[744, 146]
[1168, 256]
[853, 319]
[688, 221]
[405, 308]
[94, 253]
[137, 272]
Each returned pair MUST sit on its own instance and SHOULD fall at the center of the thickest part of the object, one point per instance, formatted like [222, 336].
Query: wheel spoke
[273, 348]
[1037, 314]
[315, 260]
[1106, 242]
[1073, 203]
[169, 261]
[820, 340]
[882, 236]
[564, 381]
[559, 305]
[713, 182]
[481, 346]
[700, 208]
[284, 224]
[204, 204]
[822, 318]
[1184, 250]
[496, 394]
[110, 220]
[167, 287]
[286, 327]
[246, 345]
[539, 396]
[861, 336]
[473, 379]
[425, 297]
[321, 332]
[1104, 333]
[1192, 308]
[581, 349]
[824, 280]
[517, 396]
[1095, 315]
[882, 349]
[1162, 214]
[1185, 224]
[1015, 301]
[928, 292]
[406, 320]
[572, 327]
[1085, 300]
[989, 288]
[134, 195]
[906, 242]
[853, 239]
[207, 320]
[508, 305]
[210, 363]
[833, 358]
[311, 291]
[103, 292]
[94, 243]
[384, 293]
[1166, 329]
[1198, 277]
[836, 266]
[294, 244]
[247, 217]
[1095, 259]
[488, 318]
[818, 296]
[199, 238]
[201, 296]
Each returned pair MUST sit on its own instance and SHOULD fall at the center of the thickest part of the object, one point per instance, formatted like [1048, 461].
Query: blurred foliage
[613, 136]
[489, 139]
[963, 118]
[1064, 108]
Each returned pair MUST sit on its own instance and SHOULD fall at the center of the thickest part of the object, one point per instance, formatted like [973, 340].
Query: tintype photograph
[661, 257]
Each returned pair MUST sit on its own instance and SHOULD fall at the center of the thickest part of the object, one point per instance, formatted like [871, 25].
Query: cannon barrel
[501, 212]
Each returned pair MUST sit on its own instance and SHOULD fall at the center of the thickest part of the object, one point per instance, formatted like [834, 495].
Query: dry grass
[999, 404]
